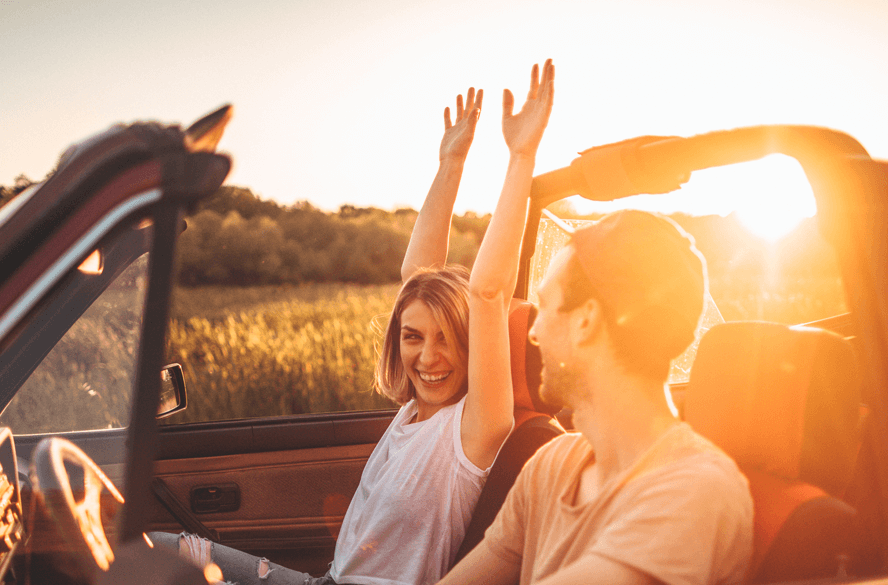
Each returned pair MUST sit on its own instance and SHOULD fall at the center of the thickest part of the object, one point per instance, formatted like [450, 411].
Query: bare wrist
[522, 157]
[452, 162]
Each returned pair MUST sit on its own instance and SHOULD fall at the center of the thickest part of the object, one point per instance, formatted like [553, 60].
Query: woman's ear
[587, 322]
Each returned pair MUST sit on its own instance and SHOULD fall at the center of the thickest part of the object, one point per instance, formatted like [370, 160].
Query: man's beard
[561, 384]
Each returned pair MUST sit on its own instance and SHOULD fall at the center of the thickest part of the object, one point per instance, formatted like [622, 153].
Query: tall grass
[276, 350]
[283, 350]
[85, 381]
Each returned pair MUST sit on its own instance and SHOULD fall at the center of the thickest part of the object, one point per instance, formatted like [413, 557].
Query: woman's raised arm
[431, 234]
[487, 418]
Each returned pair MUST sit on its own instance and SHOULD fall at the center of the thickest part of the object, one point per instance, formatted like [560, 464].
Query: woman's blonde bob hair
[446, 292]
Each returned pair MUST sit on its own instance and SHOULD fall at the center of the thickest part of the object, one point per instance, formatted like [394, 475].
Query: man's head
[646, 281]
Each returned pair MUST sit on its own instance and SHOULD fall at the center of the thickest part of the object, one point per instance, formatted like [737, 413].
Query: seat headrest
[527, 363]
[778, 399]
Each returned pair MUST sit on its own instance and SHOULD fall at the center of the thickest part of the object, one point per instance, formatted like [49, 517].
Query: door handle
[224, 497]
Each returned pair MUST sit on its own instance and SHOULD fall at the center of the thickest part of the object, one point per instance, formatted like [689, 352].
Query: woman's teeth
[432, 377]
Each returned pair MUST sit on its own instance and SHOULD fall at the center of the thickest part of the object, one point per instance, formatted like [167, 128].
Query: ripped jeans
[238, 568]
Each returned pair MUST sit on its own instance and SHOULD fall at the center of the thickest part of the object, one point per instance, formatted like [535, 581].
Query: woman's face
[430, 362]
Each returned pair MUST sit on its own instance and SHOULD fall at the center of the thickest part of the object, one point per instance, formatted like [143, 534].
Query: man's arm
[482, 566]
[431, 233]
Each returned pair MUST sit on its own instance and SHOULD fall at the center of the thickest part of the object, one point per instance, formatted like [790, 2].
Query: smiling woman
[432, 365]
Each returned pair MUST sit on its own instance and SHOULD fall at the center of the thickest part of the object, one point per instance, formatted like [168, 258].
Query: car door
[81, 256]
[276, 487]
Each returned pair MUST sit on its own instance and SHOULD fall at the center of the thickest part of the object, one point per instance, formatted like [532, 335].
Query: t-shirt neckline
[571, 491]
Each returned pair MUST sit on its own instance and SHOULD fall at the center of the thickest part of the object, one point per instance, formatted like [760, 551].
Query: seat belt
[182, 514]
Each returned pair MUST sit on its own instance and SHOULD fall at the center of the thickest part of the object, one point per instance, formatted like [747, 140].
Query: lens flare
[776, 198]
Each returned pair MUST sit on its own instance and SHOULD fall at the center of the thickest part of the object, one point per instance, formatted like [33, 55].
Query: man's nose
[531, 335]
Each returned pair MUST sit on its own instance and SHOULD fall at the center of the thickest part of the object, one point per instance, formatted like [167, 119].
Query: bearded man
[635, 496]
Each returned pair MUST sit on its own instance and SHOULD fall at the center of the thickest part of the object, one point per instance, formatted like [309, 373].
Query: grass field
[265, 351]
[275, 350]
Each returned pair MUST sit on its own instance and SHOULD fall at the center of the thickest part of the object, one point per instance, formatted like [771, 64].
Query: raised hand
[524, 130]
[458, 136]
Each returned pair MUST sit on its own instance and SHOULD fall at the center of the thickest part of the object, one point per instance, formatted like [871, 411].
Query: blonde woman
[451, 374]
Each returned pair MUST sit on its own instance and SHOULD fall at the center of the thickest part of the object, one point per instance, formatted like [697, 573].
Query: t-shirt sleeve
[689, 524]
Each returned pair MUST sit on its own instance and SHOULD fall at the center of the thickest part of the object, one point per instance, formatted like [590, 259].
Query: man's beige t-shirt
[682, 513]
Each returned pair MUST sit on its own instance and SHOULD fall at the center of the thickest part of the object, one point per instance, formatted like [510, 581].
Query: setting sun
[770, 196]
[778, 197]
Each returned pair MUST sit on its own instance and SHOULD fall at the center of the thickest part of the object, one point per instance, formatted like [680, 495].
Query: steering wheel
[80, 524]
[78, 521]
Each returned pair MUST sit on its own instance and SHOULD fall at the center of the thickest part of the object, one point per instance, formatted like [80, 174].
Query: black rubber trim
[283, 433]
[105, 446]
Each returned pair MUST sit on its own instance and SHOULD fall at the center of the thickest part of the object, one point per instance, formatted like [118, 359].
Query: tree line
[237, 238]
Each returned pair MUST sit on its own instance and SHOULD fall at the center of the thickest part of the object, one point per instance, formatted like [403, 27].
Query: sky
[341, 101]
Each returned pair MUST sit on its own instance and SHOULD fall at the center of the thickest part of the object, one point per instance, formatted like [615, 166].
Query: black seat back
[784, 402]
[534, 426]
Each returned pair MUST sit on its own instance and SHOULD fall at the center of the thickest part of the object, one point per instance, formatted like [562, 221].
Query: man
[636, 496]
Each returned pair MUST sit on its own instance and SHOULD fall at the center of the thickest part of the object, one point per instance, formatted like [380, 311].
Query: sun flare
[770, 196]
[778, 200]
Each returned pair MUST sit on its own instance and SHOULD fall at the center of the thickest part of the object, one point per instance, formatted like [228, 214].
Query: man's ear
[587, 322]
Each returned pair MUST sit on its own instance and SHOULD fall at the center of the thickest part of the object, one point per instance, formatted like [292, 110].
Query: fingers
[473, 102]
[548, 82]
[471, 108]
[508, 103]
[534, 81]
[542, 89]
[548, 73]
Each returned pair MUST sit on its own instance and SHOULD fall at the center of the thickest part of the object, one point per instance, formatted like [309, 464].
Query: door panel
[296, 477]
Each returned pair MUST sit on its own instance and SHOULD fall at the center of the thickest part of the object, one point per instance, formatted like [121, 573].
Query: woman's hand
[458, 136]
[524, 130]
[431, 233]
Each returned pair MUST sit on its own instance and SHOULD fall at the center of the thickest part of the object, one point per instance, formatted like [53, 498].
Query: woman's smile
[432, 378]
[430, 360]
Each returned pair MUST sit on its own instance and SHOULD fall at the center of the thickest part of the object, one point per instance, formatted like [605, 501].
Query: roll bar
[661, 164]
[651, 165]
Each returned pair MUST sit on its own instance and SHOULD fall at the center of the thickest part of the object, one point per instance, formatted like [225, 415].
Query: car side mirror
[172, 391]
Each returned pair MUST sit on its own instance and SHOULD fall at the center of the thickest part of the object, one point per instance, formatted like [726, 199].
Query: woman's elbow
[485, 291]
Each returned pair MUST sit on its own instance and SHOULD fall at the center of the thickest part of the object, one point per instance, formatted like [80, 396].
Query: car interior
[792, 395]
[801, 409]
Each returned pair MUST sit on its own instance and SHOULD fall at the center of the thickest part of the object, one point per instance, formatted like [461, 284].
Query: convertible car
[88, 257]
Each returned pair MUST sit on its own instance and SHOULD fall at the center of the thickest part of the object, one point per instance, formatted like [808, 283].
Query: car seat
[534, 425]
[784, 402]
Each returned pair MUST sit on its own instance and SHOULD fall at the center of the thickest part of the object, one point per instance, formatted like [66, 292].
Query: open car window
[76, 367]
[278, 350]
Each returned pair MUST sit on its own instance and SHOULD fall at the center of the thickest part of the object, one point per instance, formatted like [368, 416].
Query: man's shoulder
[561, 453]
[701, 468]
[694, 451]
[572, 444]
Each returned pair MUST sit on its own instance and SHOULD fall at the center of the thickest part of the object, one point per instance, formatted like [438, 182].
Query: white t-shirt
[408, 518]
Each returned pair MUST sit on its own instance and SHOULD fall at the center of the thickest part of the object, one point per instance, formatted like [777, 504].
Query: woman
[452, 376]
